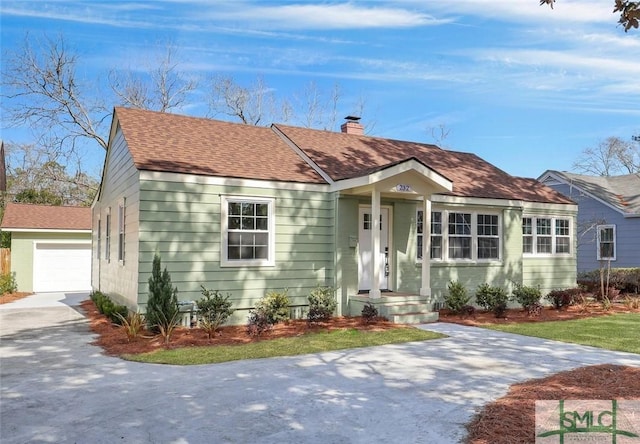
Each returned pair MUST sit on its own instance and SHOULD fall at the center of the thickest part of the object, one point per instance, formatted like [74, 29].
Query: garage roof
[45, 217]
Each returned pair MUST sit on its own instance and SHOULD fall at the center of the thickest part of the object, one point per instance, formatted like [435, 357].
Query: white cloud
[325, 16]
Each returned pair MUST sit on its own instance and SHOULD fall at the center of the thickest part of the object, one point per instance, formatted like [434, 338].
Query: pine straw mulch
[10, 297]
[113, 339]
[511, 419]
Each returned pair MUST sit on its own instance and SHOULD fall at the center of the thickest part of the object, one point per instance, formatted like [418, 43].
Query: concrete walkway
[58, 388]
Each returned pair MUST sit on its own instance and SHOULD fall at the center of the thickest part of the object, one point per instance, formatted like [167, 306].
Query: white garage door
[62, 267]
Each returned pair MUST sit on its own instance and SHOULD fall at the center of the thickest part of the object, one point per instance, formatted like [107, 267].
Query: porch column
[425, 289]
[374, 292]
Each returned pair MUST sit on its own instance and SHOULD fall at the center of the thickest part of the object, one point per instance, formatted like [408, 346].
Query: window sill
[239, 264]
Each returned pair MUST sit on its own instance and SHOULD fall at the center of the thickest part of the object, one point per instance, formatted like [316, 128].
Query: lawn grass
[308, 343]
[619, 332]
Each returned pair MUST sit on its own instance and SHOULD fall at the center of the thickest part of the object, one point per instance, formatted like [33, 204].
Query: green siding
[181, 221]
[22, 245]
[120, 180]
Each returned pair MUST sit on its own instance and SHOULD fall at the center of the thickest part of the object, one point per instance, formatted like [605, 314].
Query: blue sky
[523, 86]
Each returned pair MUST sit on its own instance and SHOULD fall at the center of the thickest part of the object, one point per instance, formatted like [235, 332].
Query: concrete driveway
[58, 388]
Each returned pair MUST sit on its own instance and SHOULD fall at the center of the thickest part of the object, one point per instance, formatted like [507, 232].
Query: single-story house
[50, 247]
[246, 209]
[608, 217]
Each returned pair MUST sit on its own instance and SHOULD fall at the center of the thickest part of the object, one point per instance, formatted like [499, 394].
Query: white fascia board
[476, 201]
[162, 176]
[537, 206]
[44, 230]
[411, 165]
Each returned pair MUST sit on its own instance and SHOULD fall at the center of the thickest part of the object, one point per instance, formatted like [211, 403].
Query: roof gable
[181, 144]
[45, 217]
[621, 193]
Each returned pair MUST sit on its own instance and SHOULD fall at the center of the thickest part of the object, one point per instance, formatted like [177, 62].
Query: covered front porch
[378, 252]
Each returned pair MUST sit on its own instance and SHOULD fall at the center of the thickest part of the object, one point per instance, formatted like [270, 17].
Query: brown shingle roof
[344, 156]
[181, 144]
[28, 216]
[173, 143]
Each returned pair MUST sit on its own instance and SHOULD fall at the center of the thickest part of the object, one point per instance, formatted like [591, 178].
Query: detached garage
[50, 247]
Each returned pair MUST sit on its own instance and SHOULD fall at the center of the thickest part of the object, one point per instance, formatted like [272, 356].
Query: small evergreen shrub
[322, 304]
[275, 305]
[258, 322]
[526, 296]
[369, 313]
[457, 297]
[8, 283]
[562, 298]
[213, 310]
[492, 299]
[107, 307]
[162, 305]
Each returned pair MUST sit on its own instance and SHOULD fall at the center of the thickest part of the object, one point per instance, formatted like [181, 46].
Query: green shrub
[258, 322]
[457, 297]
[213, 310]
[563, 298]
[8, 283]
[274, 305]
[162, 305]
[322, 304]
[107, 307]
[526, 296]
[132, 324]
[492, 299]
[369, 313]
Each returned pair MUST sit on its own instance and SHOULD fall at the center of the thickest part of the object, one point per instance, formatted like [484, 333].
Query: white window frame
[224, 232]
[420, 236]
[107, 240]
[599, 242]
[444, 235]
[553, 235]
[99, 239]
[121, 229]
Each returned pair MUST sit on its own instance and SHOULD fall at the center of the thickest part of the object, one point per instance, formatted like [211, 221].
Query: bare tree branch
[42, 91]
[611, 156]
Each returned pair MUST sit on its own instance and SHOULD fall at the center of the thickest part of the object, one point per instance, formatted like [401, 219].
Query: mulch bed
[113, 339]
[10, 297]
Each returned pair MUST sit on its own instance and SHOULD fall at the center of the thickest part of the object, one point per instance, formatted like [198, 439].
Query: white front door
[365, 258]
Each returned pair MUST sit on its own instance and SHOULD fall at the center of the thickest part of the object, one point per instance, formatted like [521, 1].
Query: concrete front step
[391, 309]
[414, 318]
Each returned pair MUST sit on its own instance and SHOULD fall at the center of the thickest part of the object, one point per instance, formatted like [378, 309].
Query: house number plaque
[403, 188]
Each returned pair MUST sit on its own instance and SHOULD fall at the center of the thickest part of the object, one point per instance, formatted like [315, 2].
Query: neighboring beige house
[245, 209]
[50, 247]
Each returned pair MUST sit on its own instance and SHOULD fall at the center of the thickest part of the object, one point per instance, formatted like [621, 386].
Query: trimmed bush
[8, 283]
[563, 298]
[107, 307]
[492, 299]
[369, 313]
[275, 306]
[213, 310]
[322, 304]
[526, 296]
[457, 298]
[258, 322]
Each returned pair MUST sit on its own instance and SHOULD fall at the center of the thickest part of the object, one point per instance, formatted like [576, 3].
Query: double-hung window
[458, 235]
[107, 237]
[247, 231]
[607, 242]
[542, 235]
[436, 234]
[121, 229]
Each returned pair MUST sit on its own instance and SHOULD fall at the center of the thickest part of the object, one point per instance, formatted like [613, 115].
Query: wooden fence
[5, 260]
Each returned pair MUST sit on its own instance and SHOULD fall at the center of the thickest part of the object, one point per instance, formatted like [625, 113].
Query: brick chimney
[352, 126]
